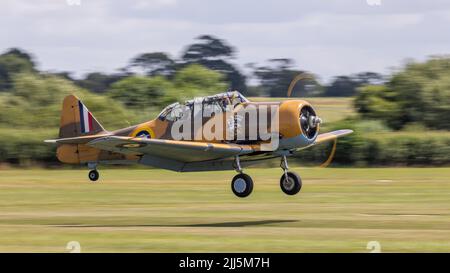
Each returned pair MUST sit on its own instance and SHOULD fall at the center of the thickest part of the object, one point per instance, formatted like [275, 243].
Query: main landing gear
[93, 174]
[290, 182]
[242, 184]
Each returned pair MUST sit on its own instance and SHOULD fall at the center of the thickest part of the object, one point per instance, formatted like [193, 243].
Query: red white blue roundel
[85, 118]
[143, 134]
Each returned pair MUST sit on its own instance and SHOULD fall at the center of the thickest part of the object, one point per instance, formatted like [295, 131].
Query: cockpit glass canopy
[215, 103]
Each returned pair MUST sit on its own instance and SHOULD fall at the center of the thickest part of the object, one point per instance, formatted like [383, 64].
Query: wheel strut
[284, 164]
[92, 166]
[290, 182]
[237, 164]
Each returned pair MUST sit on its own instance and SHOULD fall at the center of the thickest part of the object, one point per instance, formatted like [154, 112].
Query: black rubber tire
[293, 185]
[93, 175]
[242, 190]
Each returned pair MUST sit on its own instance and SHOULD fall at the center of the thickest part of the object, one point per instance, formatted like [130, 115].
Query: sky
[325, 37]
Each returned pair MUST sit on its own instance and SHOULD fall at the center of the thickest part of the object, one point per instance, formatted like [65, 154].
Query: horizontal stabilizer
[75, 140]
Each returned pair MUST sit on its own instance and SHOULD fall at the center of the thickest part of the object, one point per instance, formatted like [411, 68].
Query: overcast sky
[326, 37]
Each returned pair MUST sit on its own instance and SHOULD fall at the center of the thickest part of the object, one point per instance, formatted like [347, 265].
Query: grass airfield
[338, 210]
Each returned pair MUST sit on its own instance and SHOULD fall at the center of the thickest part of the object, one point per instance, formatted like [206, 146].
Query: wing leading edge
[181, 151]
[332, 135]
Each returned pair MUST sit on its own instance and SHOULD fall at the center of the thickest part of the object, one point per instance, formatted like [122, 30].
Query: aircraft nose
[313, 121]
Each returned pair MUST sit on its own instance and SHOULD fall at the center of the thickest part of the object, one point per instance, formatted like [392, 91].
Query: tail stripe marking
[90, 120]
[85, 118]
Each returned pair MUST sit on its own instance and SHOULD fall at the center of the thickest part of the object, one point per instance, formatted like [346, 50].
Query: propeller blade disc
[330, 158]
[301, 76]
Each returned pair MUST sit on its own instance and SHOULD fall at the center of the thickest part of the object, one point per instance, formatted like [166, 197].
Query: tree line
[413, 99]
[272, 78]
[417, 93]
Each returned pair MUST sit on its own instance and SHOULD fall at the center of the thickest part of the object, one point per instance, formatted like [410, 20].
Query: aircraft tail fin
[76, 120]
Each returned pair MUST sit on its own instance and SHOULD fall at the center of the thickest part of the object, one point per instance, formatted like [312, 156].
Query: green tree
[376, 102]
[216, 55]
[196, 80]
[98, 82]
[342, 86]
[346, 86]
[419, 93]
[34, 101]
[140, 91]
[154, 64]
[276, 77]
[14, 61]
[422, 91]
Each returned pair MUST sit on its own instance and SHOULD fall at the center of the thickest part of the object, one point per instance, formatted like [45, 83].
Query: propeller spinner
[309, 121]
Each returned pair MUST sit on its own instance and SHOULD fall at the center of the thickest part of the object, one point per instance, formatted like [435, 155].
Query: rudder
[76, 120]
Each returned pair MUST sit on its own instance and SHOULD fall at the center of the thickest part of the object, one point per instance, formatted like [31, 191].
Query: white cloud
[326, 37]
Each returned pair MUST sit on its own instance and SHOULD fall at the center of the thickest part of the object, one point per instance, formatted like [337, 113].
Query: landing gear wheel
[292, 185]
[242, 185]
[94, 175]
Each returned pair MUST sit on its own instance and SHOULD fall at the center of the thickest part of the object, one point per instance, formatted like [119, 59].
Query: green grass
[338, 210]
[330, 109]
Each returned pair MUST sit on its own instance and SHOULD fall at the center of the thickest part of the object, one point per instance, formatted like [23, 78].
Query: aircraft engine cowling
[299, 124]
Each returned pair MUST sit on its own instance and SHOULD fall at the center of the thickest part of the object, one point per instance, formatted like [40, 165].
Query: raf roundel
[143, 134]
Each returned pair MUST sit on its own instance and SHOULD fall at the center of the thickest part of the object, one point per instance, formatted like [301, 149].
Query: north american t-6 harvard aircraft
[291, 125]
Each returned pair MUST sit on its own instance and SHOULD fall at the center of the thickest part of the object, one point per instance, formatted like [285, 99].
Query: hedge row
[386, 150]
[20, 146]
[27, 146]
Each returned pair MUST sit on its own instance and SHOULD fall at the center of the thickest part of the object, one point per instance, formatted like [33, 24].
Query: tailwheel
[290, 183]
[242, 185]
[93, 175]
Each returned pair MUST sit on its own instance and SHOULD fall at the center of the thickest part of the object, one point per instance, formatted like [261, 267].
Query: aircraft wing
[332, 135]
[75, 140]
[181, 151]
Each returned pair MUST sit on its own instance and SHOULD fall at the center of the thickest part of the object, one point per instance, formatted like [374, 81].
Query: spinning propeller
[309, 121]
